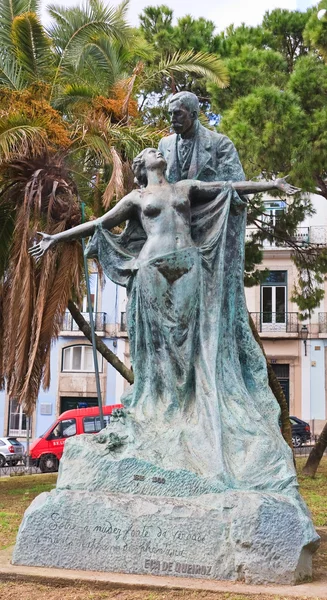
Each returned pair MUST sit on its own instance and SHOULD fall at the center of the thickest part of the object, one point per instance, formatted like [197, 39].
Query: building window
[79, 358]
[274, 297]
[17, 419]
[274, 210]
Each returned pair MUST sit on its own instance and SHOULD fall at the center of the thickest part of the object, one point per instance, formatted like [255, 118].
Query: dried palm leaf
[2, 378]
[130, 86]
[36, 296]
[115, 186]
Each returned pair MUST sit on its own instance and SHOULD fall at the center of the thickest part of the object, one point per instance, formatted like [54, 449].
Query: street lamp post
[95, 355]
[303, 333]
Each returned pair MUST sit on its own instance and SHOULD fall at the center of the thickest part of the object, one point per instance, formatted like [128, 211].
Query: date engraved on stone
[139, 477]
[158, 480]
[164, 566]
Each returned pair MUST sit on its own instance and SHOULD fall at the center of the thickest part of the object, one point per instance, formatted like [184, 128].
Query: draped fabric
[201, 399]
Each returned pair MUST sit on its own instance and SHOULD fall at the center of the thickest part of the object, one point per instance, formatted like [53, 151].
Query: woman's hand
[283, 186]
[39, 249]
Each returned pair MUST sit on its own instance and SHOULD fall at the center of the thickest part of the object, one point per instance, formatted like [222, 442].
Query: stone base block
[252, 537]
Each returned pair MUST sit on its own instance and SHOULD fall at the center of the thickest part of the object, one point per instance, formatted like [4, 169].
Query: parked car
[11, 451]
[300, 432]
[46, 451]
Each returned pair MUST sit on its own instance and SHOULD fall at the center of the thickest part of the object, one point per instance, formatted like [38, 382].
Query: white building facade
[72, 366]
[297, 349]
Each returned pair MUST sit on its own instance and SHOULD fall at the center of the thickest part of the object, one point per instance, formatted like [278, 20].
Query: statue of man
[195, 152]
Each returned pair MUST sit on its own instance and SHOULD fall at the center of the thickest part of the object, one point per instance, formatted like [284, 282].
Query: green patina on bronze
[201, 422]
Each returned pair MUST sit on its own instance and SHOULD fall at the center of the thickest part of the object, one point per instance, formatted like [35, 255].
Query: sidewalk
[45, 575]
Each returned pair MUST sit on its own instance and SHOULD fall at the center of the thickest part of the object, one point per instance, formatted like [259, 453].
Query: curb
[101, 580]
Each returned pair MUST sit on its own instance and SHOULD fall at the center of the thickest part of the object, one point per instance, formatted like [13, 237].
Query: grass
[314, 491]
[16, 494]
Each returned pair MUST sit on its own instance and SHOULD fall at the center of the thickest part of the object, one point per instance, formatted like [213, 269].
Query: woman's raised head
[150, 158]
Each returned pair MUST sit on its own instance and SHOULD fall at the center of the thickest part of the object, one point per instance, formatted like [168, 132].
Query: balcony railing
[286, 322]
[322, 320]
[303, 235]
[99, 319]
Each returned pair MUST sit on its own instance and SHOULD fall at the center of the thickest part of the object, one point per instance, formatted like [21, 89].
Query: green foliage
[312, 269]
[32, 46]
[187, 37]
[202, 63]
[315, 33]
[264, 125]
[287, 28]
[156, 24]
[253, 257]
[11, 73]
[248, 69]
[16, 137]
[275, 113]
[75, 28]
[10, 9]
[198, 34]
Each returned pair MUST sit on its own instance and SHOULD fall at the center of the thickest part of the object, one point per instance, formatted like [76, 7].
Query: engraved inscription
[158, 480]
[167, 548]
[139, 477]
[177, 567]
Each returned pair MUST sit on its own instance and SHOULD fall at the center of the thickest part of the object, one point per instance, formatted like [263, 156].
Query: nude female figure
[163, 209]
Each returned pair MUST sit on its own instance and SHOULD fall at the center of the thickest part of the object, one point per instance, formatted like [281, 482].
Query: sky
[222, 12]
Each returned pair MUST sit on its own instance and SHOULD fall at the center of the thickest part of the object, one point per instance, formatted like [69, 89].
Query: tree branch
[100, 345]
[276, 389]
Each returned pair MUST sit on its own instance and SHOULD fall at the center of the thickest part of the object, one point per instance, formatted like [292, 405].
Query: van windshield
[63, 429]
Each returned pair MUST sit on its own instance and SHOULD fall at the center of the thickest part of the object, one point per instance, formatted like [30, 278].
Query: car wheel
[48, 463]
[297, 441]
[2, 461]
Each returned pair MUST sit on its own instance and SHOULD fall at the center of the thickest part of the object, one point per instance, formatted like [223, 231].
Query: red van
[47, 450]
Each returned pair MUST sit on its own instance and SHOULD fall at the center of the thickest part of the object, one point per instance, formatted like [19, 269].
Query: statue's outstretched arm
[121, 212]
[255, 187]
[208, 190]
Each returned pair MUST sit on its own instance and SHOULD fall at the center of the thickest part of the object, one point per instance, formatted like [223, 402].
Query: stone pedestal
[245, 536]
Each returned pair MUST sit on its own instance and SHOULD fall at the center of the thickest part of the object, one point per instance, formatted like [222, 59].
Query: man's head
[183, 110]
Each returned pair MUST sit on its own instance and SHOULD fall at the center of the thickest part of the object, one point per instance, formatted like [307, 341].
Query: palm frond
[2, 325]
[133, 139]
[115, 186]
[10, 9]
[18, 312]
[32, 45]
[95, 142]
[201, 63]
[130, 85]
[73, 95]
[17, 138]
[11, 75]
[7, 225]
[75, 27]
[37, 294]
[105, 56]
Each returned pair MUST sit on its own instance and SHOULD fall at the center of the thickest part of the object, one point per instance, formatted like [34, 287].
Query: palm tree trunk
[316, 454]
[276, 389]
[101, 347]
